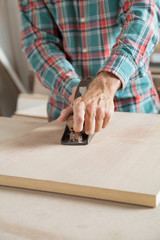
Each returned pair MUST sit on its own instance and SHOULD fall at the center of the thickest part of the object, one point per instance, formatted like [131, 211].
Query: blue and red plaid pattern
[67, 40]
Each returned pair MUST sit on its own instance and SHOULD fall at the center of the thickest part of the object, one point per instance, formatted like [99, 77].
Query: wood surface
[36, 215]
[27, 214]
[11, 128]
[121, 163]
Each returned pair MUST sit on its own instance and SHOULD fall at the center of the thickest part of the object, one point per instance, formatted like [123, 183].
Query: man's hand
[69, 110]
[96, 106]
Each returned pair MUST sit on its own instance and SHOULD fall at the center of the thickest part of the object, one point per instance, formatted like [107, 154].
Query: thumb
[71, 98]
[65, 114]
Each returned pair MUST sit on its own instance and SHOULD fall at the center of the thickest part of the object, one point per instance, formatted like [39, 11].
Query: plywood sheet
[11, 128]
[32, 215]
[122, 162]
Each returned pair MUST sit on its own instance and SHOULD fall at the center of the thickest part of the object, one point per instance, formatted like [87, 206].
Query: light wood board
[11, 128]
[122, 162]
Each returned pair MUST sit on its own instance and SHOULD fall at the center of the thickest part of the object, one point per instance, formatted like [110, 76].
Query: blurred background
[19, 88]
[20, 91]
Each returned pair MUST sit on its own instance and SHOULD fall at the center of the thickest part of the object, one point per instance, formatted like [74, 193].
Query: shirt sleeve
[41, 42]
[139, 20]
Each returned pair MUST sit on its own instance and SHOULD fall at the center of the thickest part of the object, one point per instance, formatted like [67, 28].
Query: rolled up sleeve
[41, 42]
[140, 22]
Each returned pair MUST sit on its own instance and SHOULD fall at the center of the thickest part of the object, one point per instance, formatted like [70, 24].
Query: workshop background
[19, 88]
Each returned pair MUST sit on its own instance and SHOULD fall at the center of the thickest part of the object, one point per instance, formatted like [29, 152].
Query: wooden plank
[122, 162]
[26, 214]
[11, 128]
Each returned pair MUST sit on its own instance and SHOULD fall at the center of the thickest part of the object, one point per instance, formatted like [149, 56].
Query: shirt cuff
[120, 65]
[69, 80]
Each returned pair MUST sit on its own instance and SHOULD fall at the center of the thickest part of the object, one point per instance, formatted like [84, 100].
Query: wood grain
[121, 163]
[11, 128]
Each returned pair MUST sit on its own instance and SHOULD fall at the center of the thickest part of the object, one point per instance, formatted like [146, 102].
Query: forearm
[52, 68]
[41, 43]
[138, 38]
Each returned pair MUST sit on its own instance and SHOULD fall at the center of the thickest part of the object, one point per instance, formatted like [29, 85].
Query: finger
[78, 114]
[100, 114]
[106, 120]
[65, 114]
[108, 115]
[90, 118]
[71, 98]
[99, 119]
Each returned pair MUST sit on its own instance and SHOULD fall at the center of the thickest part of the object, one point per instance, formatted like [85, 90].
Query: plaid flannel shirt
[67, 40]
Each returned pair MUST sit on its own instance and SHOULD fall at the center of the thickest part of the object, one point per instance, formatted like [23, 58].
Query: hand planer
[70, 137]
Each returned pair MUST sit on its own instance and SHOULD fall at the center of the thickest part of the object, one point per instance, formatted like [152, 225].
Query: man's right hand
[96, 106]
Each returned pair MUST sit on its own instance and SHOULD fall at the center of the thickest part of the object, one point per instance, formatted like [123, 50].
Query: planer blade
[70, 137]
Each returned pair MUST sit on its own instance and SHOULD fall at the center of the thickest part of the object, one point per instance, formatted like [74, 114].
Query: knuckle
[91, 112]
[99, 114]
[78, 118]
[77, 100]
[78, 103]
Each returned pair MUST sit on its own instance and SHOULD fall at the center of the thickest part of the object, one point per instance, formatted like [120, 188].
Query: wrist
[112, 82]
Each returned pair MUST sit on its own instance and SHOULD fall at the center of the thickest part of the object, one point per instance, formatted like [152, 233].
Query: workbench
[27, 214]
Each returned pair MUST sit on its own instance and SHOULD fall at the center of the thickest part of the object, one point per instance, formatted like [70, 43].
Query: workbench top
[26, 214]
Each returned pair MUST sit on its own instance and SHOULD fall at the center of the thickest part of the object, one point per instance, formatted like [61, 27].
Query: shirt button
[84, 50]
[82, 20]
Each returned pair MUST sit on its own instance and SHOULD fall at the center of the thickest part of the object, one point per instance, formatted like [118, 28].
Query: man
[110, 40]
